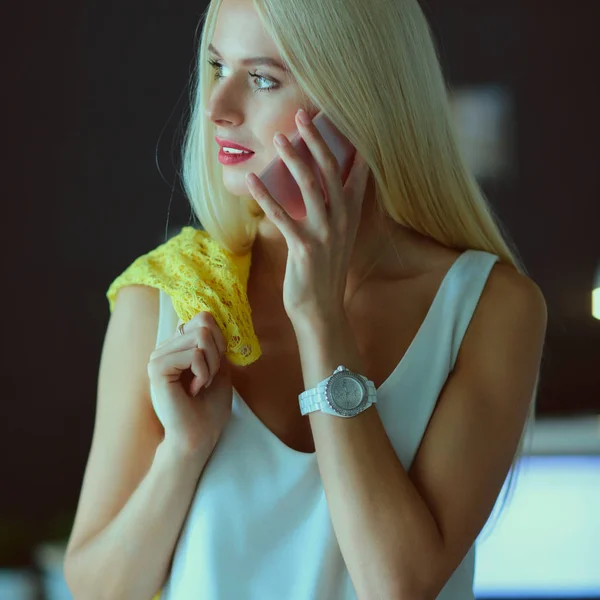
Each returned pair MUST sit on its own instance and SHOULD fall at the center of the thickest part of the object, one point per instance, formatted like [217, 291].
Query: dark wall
[96, 95]
[548, 55]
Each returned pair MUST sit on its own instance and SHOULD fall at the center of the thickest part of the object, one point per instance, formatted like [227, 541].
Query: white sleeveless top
[258, 527]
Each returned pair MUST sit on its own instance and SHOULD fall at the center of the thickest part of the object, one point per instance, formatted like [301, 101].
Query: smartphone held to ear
[281, 184]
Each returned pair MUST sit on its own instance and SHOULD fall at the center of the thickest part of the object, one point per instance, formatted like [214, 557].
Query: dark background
[97, 97]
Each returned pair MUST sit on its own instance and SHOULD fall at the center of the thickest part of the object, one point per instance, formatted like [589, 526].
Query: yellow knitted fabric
[199, 275]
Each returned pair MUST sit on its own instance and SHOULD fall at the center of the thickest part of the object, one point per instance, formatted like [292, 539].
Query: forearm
[130, 557]
[386, 533]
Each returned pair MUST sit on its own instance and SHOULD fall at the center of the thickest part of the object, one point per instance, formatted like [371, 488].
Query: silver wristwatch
[343, 394]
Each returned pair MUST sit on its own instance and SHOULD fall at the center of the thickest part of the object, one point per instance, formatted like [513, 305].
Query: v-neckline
[297, 454]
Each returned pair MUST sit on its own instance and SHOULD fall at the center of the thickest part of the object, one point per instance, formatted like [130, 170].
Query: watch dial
[347, 393]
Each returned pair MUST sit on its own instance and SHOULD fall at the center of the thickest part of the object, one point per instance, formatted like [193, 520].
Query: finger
[212, 357]
[202, 333]
[206, 319]
[192, 337]
[274, 211]
[308, 182]
[168, 369]
[328, 164]
[199, 366]
[199, 338]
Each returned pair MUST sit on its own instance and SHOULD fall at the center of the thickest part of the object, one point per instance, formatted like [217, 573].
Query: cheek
[286, 124]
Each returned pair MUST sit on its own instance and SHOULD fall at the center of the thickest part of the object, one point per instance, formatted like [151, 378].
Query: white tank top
[258, 527]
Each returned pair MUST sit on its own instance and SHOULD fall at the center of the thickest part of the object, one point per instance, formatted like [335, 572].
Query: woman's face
[250, 101]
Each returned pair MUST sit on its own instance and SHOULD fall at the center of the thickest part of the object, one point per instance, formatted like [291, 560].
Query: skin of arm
[136, 488]
[129, 559]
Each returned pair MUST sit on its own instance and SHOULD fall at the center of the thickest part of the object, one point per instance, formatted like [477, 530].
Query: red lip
[222, 142]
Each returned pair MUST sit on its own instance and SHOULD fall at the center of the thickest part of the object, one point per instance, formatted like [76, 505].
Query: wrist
[320, 324]
[179, 455]
[325, 344]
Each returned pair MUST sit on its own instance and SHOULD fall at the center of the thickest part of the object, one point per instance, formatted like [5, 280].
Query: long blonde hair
[374, 70]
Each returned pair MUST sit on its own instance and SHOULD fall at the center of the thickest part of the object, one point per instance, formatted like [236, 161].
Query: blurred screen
[546, 542]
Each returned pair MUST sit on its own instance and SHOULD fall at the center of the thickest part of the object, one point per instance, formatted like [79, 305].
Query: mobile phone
[280, 182]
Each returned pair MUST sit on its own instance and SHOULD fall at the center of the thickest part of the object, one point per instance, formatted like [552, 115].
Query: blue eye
[217, 75]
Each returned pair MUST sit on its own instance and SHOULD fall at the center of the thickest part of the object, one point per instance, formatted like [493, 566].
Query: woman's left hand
[319, 246]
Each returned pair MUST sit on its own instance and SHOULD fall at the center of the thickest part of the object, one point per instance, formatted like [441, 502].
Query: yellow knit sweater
[199, 275]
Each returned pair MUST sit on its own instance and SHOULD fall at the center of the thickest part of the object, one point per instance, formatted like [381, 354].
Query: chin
[237, 185]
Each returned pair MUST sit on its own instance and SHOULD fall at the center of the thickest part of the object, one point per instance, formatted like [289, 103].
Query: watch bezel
[345, 411]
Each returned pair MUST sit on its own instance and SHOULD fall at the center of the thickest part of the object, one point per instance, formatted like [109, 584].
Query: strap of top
[466, 287]
[168, 318]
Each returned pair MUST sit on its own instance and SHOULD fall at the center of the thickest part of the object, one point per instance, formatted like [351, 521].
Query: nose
[224, 104]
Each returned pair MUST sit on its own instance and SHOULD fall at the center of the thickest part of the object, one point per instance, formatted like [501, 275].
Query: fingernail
[303, 117]
[280, 139]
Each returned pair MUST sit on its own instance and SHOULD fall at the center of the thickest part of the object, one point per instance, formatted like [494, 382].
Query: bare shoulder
[141, 301]
[511, 315]
[509, 291]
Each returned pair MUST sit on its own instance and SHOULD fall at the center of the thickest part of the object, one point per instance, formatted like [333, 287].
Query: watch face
[346, 393]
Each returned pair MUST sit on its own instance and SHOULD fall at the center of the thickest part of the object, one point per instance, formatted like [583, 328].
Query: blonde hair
[374, 70]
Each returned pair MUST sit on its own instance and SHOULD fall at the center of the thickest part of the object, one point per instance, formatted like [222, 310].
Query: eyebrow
[255, 60]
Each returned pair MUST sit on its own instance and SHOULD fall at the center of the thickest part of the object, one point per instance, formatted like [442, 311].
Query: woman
[400, 275]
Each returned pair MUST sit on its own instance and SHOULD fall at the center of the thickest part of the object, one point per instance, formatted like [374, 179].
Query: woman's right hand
[193, 416]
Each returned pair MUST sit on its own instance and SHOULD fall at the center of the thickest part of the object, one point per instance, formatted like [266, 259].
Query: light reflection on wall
[485, 124]
[596, 295]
